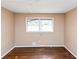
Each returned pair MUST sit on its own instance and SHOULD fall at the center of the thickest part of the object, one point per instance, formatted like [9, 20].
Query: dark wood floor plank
[39, 53]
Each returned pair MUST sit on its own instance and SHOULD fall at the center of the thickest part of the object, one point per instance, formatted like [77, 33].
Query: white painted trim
[7, 52]
[70, 52]
[40, 46]
[43, 46]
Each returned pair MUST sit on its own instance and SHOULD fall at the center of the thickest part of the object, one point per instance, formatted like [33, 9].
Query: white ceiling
[39, 6]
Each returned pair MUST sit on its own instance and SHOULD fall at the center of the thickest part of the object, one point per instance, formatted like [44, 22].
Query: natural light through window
[39, 24]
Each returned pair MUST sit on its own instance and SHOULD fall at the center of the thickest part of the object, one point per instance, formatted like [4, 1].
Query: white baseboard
[7, 52]
[43, 46]
[71, 52]
[32, 46]
[40, 46]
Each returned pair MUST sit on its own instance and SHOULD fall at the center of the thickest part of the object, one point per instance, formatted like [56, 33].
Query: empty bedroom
[38, 29]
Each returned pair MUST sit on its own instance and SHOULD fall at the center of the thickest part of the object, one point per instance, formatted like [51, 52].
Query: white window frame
[52, 18]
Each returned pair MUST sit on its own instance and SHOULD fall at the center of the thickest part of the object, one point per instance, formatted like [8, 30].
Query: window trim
[53, 26]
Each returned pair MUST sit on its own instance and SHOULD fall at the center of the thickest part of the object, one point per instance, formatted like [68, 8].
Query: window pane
[39, 25]
[46, 25]
[33, 26]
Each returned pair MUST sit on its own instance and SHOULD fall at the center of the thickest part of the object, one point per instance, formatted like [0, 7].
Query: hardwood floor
[39, 53]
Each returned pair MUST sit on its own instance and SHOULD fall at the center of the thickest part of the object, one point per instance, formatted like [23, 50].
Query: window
[39, 24]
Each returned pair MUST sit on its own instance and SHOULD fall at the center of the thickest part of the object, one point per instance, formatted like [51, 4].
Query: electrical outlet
[34, 44]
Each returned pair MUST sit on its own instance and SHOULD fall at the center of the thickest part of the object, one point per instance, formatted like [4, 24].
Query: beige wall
[7, 31]
[11, 30]
[22, 38]
[71, 31]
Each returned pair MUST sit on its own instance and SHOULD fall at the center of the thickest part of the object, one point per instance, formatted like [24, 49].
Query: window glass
[39, 25]
[33, 26]
[46, 25]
